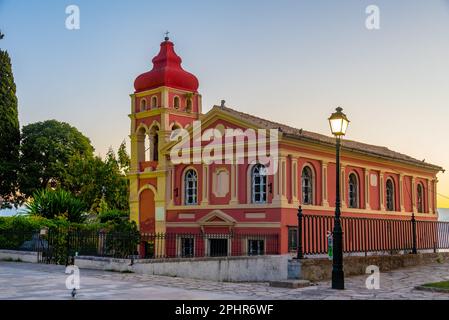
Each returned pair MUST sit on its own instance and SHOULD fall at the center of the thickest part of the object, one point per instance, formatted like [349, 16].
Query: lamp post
[338, 123]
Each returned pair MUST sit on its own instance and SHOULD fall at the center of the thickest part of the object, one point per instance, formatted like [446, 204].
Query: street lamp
[338, 123]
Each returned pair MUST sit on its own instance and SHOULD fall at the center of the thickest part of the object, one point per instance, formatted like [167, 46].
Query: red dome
[167, 71]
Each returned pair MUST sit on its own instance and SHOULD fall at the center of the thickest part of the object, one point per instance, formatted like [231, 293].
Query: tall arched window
[390, 195]
[176, 103]
[143, 145]
[190, 187]
[307, 185]
[154, 102]
[143, 104]
[259, 184]
[420, 198]
[156, 147]
[353, 191]
[154, 144]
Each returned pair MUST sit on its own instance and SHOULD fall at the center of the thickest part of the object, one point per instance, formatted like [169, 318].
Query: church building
[215, 198]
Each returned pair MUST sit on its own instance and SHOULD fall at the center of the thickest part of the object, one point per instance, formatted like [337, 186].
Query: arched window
[156, 147]
[259, 184]
[190, 187]
[189, 105]
[143, 104]
[154, 144]
[353, 191]
[420, 198]
[390, 195]
[176, 103]
[153, 102]
[143, 145]
[307, 185]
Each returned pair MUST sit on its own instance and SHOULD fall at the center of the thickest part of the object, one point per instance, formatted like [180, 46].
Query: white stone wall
[234, 269]
[23, 256]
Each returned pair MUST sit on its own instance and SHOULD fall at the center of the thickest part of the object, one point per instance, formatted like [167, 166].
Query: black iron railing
[189, 245]
[61, 245]
[22, 240]
[373, 235]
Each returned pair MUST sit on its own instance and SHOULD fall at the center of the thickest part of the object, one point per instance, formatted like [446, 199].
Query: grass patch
[438, 285]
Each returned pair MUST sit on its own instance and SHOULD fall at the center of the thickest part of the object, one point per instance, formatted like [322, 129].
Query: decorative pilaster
[164, 98]
[381, 190]
[277, 181]
[206, 185]
[283, 178]
[367, 189]
[413, 194]
[325, 202]
[137, 151]
[429, 196]
[133, 110]
[276, 193]
[401, 192]
[170, 185]
[134, 198]
[294, 181]
[234, 184]
[435, 184]
[343, 186]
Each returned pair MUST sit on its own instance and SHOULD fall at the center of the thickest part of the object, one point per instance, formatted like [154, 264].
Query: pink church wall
[407, 191]
[374, 191]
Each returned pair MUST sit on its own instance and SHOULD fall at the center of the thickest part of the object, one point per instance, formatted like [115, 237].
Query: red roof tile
[372, 150]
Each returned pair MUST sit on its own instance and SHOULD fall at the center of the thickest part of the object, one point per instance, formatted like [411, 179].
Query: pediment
[217, 217]
[214, 118]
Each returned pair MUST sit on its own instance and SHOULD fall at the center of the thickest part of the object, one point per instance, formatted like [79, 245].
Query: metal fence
[22, 240]
[59, 246]
[189, 245]
[360, 235]
[363, 235]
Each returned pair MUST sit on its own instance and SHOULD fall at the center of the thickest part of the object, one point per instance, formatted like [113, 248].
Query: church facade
[223, 197]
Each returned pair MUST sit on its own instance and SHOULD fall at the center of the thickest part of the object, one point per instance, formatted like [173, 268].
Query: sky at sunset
[287, 61]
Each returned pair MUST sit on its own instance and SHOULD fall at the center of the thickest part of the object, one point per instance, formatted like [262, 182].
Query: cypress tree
[9, 132]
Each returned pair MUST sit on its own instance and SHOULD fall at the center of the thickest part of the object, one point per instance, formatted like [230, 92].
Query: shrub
[115, 237]
[115, 216]
[55, 203]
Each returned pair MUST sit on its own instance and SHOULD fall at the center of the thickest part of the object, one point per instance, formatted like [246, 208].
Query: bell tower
[165, 98]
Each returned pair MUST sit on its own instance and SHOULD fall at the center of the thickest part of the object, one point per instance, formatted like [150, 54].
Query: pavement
[27, 281]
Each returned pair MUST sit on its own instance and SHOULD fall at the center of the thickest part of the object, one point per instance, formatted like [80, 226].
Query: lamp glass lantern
[338, 122]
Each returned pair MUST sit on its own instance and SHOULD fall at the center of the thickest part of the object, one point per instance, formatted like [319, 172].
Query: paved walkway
[38, 281]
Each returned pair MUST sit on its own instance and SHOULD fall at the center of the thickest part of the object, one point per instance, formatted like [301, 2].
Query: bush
[115, 216]
[115, 237]
[56, 203]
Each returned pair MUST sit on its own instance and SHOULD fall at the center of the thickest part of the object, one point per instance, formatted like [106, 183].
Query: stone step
[291, 284]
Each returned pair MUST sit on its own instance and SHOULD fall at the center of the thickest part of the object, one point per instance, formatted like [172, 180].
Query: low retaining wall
[321, 269]
[23, 256]
[234, 269]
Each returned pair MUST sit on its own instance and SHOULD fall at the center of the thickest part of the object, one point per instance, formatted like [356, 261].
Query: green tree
[100, 184]
[123, 157]
[45, 152]
[9, 132]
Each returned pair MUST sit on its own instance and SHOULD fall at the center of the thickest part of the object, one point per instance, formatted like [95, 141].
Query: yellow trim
[147, 174]
[315, 146]
[226, 219]
[237, 225]
[151, 187]
[158, 111]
